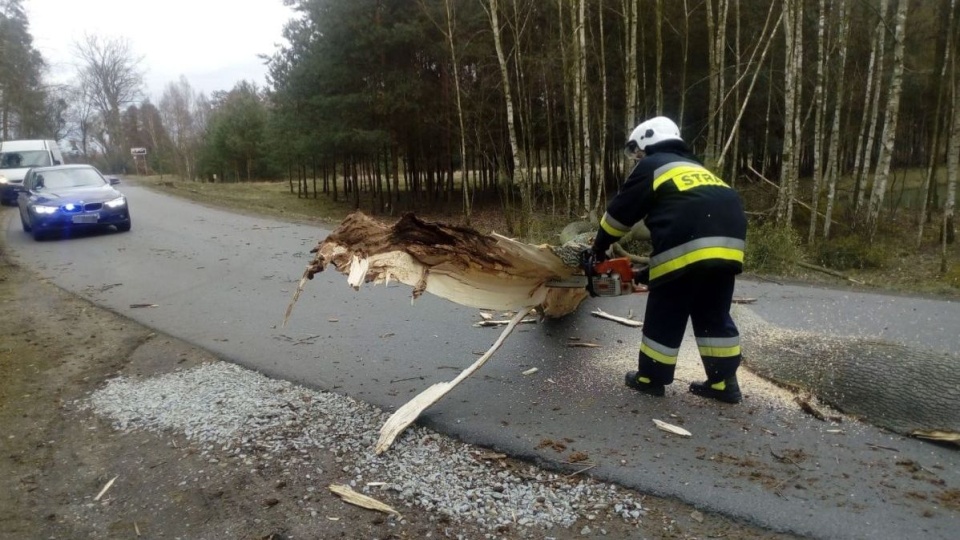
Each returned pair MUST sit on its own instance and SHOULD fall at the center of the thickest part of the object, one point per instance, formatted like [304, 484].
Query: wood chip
[357, 499]
[134, 306]
[937, 435]
[585, 345]
[670, 428]
[105, 488]
[622, 320]
[531, 371]
[489, 455]
[742, 300]
[486, 315]
[808, 408]
[491, 322]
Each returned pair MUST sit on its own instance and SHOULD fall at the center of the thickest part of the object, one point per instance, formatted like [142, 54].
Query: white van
[17, 157]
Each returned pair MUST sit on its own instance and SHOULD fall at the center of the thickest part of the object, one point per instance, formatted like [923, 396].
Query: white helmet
[650, 132]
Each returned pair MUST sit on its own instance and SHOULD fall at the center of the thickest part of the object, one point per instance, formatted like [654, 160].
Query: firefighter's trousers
[704, 298]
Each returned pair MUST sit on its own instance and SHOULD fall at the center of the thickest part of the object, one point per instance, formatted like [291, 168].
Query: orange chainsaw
[612, 277]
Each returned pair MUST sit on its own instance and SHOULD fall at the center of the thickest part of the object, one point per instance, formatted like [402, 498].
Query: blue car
[65, 197]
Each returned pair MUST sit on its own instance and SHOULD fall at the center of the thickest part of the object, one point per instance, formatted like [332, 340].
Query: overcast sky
[214, 43]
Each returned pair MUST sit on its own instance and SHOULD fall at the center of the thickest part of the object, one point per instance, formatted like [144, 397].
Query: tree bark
[907, 390]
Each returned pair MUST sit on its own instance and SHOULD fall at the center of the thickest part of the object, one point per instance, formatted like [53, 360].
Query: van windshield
[24, 158]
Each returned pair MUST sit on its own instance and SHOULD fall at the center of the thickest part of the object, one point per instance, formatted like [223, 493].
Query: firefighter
[698, 230]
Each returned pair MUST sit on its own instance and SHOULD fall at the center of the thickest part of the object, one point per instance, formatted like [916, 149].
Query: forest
[832, 118]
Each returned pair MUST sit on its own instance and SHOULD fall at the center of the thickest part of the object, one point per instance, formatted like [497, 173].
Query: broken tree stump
[456, 263]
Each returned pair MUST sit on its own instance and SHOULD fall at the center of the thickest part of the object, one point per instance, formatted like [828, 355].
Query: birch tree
[583, 103]
[455, 65]
[517, 155]
[891, 117]
[944, 84]
[791, 88]
[833, 159]
[818, 122]
[766, 39]
[865, 154]
[953, 170]
[177, 105]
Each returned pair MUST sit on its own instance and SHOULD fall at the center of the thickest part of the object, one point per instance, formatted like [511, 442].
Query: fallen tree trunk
[456, 263]
[905, 390]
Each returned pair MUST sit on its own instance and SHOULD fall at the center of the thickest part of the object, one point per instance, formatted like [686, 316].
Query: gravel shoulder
[111, 430]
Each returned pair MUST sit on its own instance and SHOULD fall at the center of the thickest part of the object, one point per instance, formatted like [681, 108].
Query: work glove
[642, 275]
[588, 259]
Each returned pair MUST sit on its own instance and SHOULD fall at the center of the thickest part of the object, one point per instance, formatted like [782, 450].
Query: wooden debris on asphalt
[489, 455]
[670, 428]
[583, 344]
[358, 499]
[501, 322]
[622, 320]
[105, 488]
[937, 435]
[134, 306]
[405, 415]
[743, 300]
[531, 371]
[809, 408]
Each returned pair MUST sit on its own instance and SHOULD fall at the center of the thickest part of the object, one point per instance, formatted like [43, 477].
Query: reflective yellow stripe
[723, 253]
[658, 356]
[611, 230]
[721, 386]
[686, 177]
[720, 352]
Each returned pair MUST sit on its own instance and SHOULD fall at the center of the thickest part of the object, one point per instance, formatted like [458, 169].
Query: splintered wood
[457, 263]
[358, 499]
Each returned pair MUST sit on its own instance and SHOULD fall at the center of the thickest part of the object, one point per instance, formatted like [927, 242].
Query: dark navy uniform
[698, 230]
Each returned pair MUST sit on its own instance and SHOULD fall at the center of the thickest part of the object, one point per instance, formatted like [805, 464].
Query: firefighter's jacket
[695, 219]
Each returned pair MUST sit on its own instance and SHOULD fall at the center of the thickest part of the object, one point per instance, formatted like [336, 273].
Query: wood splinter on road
[622, 320]
[409, 412]
[358, 499]
[105, 488]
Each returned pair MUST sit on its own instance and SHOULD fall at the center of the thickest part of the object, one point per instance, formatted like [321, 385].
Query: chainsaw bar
[573, 282]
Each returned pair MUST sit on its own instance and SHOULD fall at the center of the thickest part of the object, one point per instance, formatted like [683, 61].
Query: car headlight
[3, 179]
[41, 209]
[116, 203]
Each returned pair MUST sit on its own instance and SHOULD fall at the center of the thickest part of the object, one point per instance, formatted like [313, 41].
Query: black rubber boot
[727, 391]
[632, 379]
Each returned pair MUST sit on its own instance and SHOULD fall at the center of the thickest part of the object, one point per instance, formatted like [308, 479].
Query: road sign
[138, 151]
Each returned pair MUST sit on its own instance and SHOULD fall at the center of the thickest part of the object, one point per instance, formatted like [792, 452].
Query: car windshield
[25, 158]
[69, 178]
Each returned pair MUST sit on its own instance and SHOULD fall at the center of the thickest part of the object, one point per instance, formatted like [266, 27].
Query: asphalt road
[222, 281]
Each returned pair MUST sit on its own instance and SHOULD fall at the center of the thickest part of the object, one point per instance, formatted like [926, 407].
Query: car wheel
[124, 227]
[26, 226]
